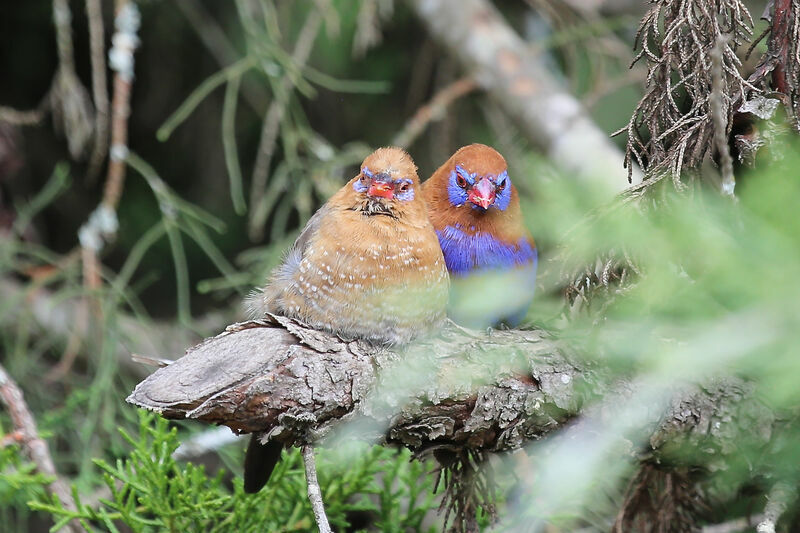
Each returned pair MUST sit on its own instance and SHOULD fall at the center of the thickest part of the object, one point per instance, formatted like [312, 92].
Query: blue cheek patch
[456, 194]
[503, 198]
[358, 185]
[409, 194]
[465, 253]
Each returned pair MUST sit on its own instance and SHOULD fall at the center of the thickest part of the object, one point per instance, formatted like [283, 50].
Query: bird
[366, 266]
[489, 253]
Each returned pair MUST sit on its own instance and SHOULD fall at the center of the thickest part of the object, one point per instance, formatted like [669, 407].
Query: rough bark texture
[461, 390]
[501, 62]
[277, 376]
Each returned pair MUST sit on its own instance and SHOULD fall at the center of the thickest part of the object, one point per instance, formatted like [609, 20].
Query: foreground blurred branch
[33, 445]
[501, 63]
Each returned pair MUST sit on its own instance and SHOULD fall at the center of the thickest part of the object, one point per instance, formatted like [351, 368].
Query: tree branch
[432, 110]
[458, 396]
[501, 63]
[461, 390]
[33, 445]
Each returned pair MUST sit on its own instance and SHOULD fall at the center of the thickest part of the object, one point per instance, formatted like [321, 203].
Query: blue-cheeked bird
[489, 253]
[366, 266]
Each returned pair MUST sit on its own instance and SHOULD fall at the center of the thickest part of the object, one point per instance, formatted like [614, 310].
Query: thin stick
[62, 19]
[433, 110]
[720, 116]
[33, 445]
[736, 525]
[21, 118]
[314, 491]
[781, 495]
[120, 110]
[102, 223]
[94, 13]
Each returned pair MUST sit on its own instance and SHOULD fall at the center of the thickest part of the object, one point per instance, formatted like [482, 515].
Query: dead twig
[781, 495]
[33, 445]
[94, 12]
[433, 110]
[125, 41]
[102, 224]
[720, 112]
[672, 126]
[314, 491]
[21, 118]
[495, 56]
[70, 102]
[737, 525]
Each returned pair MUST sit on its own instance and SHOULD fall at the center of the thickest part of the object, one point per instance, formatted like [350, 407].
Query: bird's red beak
[482, 193]
[381, 189]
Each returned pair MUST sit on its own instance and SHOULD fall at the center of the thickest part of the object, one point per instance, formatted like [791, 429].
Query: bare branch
[464, 393]
[464, 388]
[69, 99]
[21, 118]
[94, 12]
[432, 110]
[720, 114]
[737, 525]
[503, 65]
[781, 495]
[33, 445]
[125, 42]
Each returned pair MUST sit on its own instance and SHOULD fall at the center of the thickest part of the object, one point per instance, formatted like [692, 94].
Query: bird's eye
[364, 178]
[404, 187]
[460, 181]
[501, 186]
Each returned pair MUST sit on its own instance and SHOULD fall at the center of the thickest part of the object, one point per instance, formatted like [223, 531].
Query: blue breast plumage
[492, 281]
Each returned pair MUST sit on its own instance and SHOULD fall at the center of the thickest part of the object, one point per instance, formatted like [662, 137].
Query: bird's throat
[374, 207]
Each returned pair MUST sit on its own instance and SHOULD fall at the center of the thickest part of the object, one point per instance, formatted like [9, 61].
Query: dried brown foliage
[672, 126]
[657, 501]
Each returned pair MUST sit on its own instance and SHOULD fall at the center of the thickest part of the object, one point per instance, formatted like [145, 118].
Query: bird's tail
[259, 462]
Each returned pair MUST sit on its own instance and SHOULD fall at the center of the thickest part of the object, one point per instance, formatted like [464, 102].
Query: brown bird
[366, 266]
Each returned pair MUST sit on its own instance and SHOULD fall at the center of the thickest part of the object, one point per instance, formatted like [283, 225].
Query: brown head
[387, 185]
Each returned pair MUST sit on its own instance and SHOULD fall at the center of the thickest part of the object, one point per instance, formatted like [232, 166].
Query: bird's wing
[313, 224]
[264, 301]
